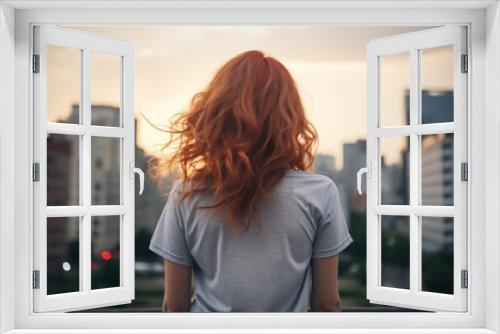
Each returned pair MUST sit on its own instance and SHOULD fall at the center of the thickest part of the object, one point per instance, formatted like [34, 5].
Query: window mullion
[414, 171]
[81, 178]
[85, 241]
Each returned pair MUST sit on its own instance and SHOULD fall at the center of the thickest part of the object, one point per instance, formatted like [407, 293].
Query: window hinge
[36, 279]
[464, 279]
[36, 172]
[36, 63]
[465, 63]
[464, 171]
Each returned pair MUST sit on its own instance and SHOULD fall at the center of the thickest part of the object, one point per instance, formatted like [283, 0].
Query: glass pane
[394, 89]
[436, 80]
[105, 252]
[437, 169]
[394, 166]
[437, 254]
[105, 89]
[63, 154]
[63, 255]
[63, 84]
[396, 251]
[105, 171]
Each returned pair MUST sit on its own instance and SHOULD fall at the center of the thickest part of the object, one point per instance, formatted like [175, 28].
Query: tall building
[394, 185]
[437, 189]
[437, 167]
[105, 182]
[324, 164]
[354, 156]
[63, 170]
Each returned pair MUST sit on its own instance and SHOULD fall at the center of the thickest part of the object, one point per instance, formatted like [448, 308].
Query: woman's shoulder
[310, 176]
[311, 181]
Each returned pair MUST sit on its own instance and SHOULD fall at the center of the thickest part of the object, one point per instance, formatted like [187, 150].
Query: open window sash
[83, 215]
[415, 295]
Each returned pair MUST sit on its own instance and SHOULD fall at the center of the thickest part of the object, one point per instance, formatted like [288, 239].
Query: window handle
[134, 170]
[365, 170]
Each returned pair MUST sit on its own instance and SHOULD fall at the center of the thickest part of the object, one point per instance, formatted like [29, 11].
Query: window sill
[255, 331]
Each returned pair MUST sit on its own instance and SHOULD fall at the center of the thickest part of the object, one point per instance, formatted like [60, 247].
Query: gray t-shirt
[267, 268]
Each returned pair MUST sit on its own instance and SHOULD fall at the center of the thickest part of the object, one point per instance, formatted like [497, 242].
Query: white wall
[492, 212]
[7, 159]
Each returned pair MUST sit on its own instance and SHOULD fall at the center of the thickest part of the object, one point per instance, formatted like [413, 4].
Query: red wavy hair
[240, 135]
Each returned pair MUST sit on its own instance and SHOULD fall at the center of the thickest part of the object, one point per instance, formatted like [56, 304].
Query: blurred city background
[341, 123]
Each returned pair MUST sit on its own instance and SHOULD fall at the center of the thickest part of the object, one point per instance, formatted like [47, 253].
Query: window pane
[394, 89]
[105, 252]
[437, 169]
[63, 154]
[394, 166]
[436, 80]
[396, 251]
[63, 255]
[437, 254]
[105, 171]
[105, 89]
[63, 84]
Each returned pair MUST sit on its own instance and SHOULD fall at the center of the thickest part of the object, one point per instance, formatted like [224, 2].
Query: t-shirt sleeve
[169, 238]
[332, 235]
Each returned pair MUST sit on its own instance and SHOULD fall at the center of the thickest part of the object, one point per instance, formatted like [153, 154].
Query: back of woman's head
[241, 135]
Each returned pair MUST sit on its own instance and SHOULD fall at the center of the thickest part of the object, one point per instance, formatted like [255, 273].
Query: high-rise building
[437, 188]
[105, 178]
[437, 167]
[354, 157]
[324, 164]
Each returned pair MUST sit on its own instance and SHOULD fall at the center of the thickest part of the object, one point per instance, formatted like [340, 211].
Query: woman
[258, 230]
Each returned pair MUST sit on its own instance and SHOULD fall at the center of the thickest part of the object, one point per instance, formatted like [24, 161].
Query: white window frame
[86, 297]
[16, 20]
[411, 44]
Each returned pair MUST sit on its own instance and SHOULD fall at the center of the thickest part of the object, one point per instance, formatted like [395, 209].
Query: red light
[106, 255]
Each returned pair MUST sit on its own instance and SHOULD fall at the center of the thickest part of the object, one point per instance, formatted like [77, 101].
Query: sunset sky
[173, 63]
